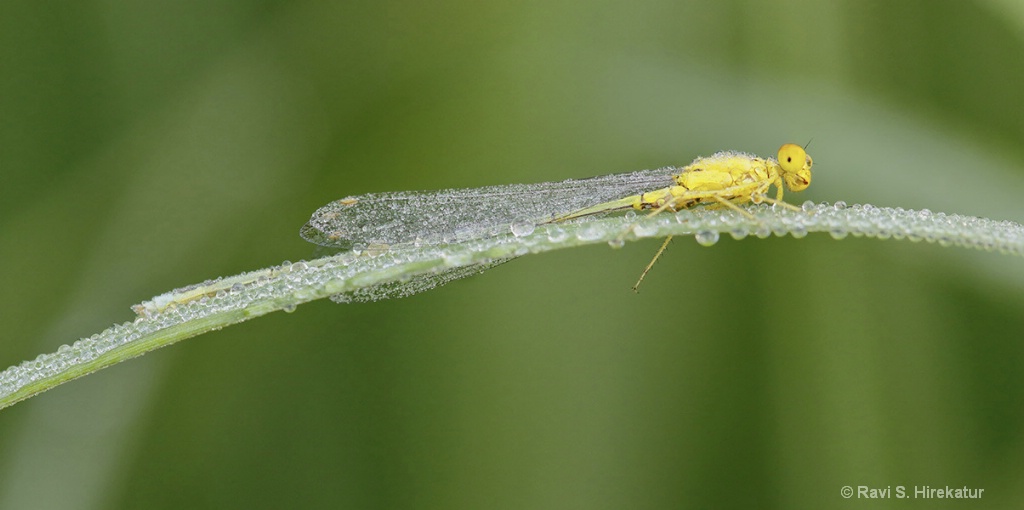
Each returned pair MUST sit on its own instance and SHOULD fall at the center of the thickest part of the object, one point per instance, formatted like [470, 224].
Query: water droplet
[522, 228]
[838, 232]
[589, 233]
[684, 216]
[645, 230]
[707, 237]
[807, 206]
[557, 234]
[617, 243]
[289, 308]
[839, 205]
[739, 233]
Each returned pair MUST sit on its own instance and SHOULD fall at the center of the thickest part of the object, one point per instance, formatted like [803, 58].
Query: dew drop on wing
[522, 227]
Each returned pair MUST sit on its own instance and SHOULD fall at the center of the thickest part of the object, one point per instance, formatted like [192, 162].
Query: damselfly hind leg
[669, 205]
[664, 245]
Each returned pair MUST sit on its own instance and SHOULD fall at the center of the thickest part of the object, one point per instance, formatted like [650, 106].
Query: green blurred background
[149, 145]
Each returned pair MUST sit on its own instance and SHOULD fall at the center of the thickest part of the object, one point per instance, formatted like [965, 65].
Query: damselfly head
[796, 166]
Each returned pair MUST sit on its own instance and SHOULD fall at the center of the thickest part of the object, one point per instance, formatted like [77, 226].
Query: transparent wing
[459, 214]
[422, 283]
